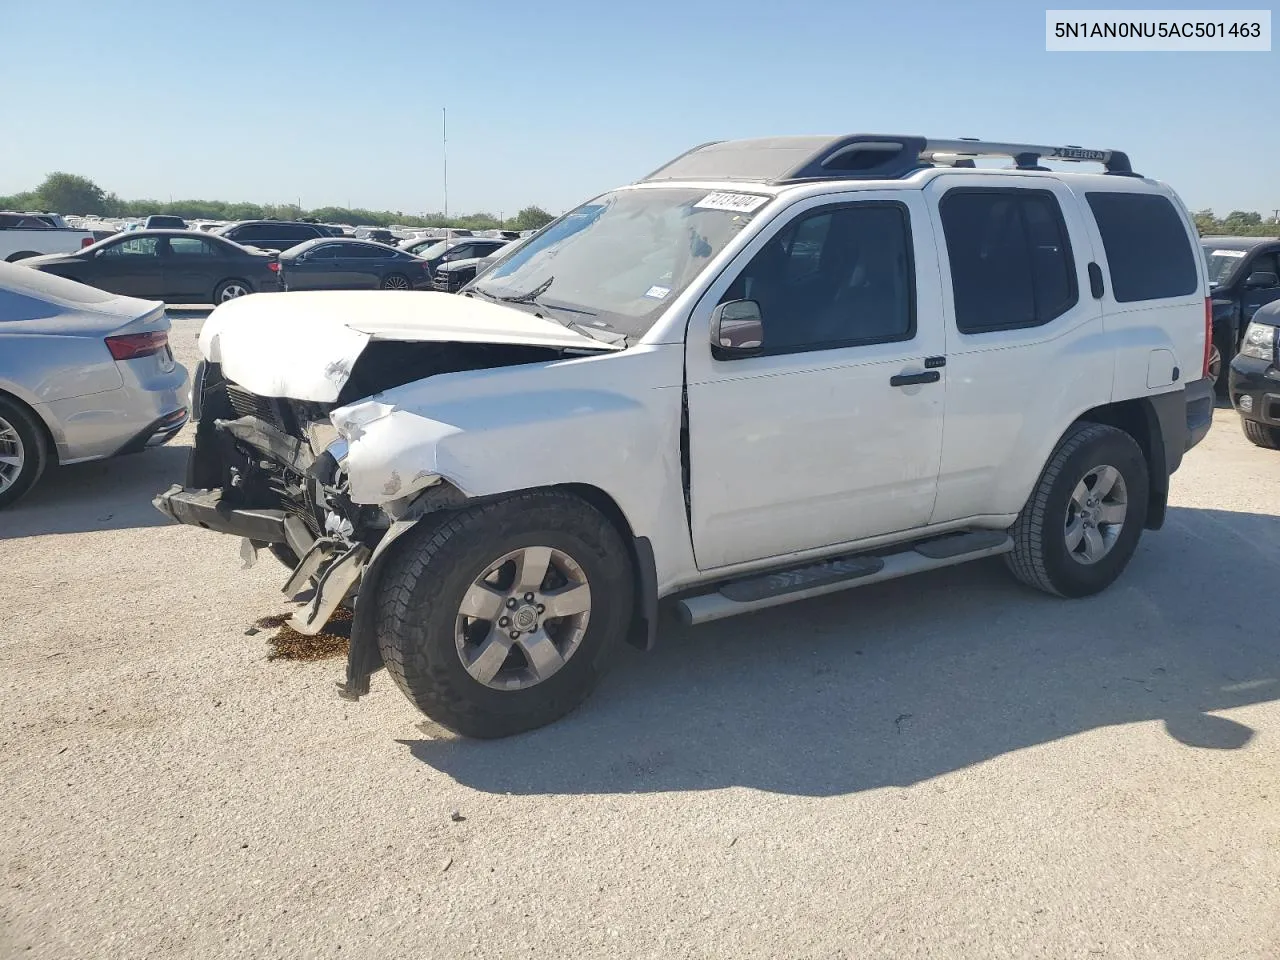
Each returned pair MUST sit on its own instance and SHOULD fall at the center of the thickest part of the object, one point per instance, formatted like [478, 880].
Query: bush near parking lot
[71, 194]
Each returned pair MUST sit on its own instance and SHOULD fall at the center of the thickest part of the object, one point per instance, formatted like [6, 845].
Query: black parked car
[177, 266]
[1255, 377]
[1244, 274]
[331, 264]
[453, 275]
[272, 234]
[446, 251]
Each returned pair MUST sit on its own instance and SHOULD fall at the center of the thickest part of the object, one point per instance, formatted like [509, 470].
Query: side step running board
[758, 591]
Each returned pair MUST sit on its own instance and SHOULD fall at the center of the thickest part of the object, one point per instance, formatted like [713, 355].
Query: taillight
[1208, 334]
[273, 266]
[130, 346]
[86, 242]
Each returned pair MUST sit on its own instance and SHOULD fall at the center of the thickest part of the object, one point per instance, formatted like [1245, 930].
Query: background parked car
[1255, 378]
[163, 221]
[272, 234]
[447, 251]
[84, 374]
[331, 264]
[24, 235]
[377, 234]
[1244, 274]
[453, 275]
[178, 266]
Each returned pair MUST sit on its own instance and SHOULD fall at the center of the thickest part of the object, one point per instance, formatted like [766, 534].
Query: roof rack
[863, 156]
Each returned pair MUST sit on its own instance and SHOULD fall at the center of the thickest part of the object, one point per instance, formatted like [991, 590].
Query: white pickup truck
[25, 235]
[772, 369]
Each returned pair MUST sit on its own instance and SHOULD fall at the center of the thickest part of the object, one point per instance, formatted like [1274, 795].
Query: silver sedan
[84, 375]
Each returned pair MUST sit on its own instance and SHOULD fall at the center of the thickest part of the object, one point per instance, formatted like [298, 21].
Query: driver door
[133, 267]
[817, 440]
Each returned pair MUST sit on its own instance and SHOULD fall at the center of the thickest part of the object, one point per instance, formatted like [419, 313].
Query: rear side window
[1011, 261]
[1149, 254]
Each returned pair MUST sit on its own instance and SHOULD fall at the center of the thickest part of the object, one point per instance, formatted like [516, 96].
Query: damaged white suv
[772, 369]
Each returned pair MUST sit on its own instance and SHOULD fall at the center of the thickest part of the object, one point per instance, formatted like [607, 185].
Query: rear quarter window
[1149, 254]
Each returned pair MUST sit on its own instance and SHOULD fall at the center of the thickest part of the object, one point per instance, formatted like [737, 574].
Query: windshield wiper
[532, 295]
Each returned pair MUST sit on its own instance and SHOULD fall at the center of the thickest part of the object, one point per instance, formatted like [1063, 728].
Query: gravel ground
[947, 766]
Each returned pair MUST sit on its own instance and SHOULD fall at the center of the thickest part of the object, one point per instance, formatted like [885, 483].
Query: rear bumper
[1254, 386]
[1199, 396]
[124, 420]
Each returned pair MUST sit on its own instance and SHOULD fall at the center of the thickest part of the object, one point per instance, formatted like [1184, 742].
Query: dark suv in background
[1244, 274]
[272, 234]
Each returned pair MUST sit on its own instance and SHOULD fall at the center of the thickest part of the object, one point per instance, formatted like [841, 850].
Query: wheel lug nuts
[503, 622]
[515, 634]
[541, 608]
[511, 603]
[528, 598]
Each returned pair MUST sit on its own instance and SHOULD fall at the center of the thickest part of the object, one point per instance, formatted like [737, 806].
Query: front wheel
[501, 618]
[1082, 522]
[1220, 354]
[1261, 435]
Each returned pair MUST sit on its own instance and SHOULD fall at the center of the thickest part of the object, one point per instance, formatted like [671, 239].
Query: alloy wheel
[12, 455]
[396, 282]
[231, 291]
[1215, 362]
[523, 618]
[1096, 514]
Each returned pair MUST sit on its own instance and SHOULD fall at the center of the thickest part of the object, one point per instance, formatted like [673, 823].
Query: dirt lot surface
[947, 766]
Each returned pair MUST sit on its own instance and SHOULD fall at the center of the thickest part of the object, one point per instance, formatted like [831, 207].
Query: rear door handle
[911, 379]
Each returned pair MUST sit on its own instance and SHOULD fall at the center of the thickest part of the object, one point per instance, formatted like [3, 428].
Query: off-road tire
[436, 563]
[35, 449]
[1261, 434]
[1040, 557]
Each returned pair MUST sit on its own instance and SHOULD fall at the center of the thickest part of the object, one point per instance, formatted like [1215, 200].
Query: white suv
[772, 369]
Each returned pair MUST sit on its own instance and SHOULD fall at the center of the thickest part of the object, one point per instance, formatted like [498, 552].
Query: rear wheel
[24, 451]
[395, 281]
[1082, 522]
[503, 617]
[231, 290]
[1261, 435]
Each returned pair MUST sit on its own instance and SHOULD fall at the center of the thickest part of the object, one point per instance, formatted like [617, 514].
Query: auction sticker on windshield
[737, 202]
[1227, 253]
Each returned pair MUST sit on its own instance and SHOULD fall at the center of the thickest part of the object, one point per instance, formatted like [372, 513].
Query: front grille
[267, 409]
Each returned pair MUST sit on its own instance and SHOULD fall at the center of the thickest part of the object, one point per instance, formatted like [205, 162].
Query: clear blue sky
[336, 102]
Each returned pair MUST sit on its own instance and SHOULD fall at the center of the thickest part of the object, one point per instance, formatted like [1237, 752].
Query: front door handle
[911, 379]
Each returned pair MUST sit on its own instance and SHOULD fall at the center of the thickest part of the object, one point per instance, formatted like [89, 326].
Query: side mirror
[736, 330]
[1262, 279]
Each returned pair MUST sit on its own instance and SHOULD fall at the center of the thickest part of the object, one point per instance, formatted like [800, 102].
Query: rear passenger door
[1023, 349]
[193, 268]
[132, 266]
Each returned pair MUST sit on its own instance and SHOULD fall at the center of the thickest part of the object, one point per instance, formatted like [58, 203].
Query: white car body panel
[321, 333]
[22, 241]
[610, 421]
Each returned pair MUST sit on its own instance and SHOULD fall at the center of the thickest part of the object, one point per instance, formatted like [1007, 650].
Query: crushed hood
[304, 345]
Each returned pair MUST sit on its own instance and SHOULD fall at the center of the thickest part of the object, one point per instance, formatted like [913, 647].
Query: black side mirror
[1262, 279]
[737, 330]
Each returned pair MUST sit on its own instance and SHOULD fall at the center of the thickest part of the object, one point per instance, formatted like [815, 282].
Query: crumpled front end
[270, 470]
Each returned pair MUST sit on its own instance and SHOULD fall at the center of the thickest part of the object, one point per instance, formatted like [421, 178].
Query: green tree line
[69, 193]
[1237, 223]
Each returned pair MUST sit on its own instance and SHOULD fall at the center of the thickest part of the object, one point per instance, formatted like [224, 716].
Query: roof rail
[1025, 156]
[861, 156]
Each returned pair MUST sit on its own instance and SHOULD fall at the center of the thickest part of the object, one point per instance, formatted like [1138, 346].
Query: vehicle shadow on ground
[896, 683]
[110, 494]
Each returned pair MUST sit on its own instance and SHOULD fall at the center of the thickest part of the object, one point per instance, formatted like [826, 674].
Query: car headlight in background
[1259, 341]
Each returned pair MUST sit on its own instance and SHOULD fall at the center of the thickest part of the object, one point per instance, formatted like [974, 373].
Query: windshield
[618, 260]
[1222, 263]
